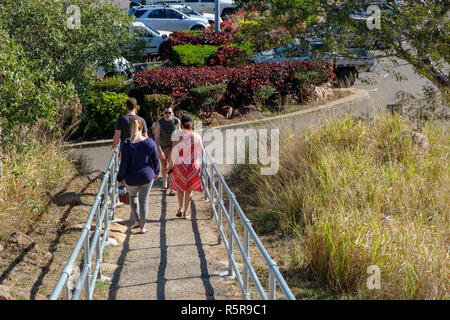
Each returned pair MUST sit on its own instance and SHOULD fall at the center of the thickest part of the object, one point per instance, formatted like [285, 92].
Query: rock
[421, 140]
[117, 227]
[56, 192]
[226, 111]
[119, 237]
[70, 198]
[20, 240]
[4, 293]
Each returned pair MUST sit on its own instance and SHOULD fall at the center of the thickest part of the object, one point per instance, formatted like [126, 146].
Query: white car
[226, 7]
[120, 66]
[191, 12]
[163, 17]
[153, 38]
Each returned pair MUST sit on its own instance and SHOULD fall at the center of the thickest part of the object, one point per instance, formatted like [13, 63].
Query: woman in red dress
[187, 167]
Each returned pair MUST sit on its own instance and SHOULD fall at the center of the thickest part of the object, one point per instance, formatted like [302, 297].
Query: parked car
[164, 17]
[191, 12]
[119, 66]
[205, 6]
[152, 37]
[346, 65]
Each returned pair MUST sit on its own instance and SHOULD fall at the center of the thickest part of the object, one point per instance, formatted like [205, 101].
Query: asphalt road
[383, 85]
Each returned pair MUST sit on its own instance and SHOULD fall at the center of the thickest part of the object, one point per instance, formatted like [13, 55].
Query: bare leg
[180, 195]
[187, 203]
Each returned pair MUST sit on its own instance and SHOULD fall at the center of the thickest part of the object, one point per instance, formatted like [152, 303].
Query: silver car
[163, 17]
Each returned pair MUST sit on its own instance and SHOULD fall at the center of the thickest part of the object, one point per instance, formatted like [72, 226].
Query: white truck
[226, 7]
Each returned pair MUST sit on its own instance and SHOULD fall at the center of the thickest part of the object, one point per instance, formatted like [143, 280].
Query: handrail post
[212, 188]
[230, 240]
[246, 294]
[86, 265]
[272, 283]
[99, 250]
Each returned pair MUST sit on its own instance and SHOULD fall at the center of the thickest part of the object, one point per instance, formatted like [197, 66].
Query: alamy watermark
[74, 17]
[238, 146]
[374, 22]
[374, 281]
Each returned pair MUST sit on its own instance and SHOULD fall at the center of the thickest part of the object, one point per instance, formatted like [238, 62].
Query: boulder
[20, 240]
[421, 140]
[226, 111]
[70, 198]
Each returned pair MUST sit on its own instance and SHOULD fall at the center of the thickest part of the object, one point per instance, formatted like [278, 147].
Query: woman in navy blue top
[139, 167]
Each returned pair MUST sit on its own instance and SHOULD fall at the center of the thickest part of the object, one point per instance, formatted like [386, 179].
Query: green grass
[356, 194]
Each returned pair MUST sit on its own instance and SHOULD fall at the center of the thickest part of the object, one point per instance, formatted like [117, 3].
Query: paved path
[176, 259]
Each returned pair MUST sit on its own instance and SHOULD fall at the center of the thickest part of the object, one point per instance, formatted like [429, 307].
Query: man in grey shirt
[163, 138]
[123, 130]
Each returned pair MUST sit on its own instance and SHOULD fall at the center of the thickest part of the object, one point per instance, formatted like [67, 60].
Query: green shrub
[195, 33]
[116, 83]
[153, 105]
[101, 112]
[263, 94]
[207, 98]
[192, 55]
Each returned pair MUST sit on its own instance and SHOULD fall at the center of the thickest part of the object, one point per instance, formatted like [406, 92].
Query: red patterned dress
[186, 170]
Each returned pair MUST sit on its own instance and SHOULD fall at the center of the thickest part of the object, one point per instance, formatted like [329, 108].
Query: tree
[416, 31]
[66, 38]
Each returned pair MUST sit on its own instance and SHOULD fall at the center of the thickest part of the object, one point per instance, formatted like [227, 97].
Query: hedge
[242, 81]
[192, 55]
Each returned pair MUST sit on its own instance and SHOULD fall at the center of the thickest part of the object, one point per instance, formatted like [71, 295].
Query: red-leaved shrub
[180, 38]
[228, 56]
[242, 81]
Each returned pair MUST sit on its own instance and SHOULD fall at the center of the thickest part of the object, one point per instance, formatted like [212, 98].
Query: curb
[358, 95]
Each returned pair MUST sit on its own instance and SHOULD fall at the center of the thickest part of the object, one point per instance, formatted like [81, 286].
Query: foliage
[354, 194]
[29, 175]
[27, 95]
[192, 55]
[228, 56]
[207, 98]
[63, 53]
[242, 81]
[263, 94]
[414, 31]
[177, 38]
[101, 112]
[116, 83]
[153, 106]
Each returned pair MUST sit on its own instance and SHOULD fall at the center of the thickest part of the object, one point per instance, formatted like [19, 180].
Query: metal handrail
[107, 191]
[214, 194]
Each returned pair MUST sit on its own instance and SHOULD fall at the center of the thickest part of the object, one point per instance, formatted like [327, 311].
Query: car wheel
[197, 28]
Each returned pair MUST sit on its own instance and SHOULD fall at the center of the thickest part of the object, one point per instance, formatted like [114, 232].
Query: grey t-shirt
[123, 124]
[165, 132]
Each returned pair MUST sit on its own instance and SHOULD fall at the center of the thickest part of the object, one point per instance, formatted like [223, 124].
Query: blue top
[139, 162]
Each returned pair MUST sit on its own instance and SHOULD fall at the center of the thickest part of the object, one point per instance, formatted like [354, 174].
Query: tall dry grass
[28, 177]
[357, 194]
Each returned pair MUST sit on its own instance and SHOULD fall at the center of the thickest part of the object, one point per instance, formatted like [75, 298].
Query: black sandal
[180, 212]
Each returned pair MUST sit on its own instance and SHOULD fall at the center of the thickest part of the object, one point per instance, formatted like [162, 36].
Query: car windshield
[189, 11]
